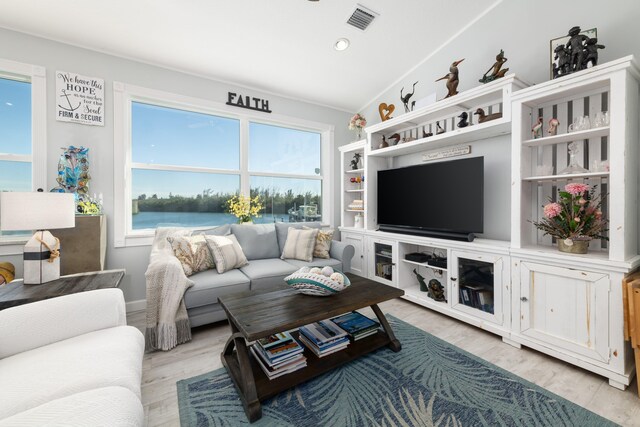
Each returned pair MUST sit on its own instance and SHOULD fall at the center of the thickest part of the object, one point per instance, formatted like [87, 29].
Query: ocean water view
[144, 220]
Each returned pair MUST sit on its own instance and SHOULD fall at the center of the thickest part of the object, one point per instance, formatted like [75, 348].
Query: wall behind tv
[58, 56]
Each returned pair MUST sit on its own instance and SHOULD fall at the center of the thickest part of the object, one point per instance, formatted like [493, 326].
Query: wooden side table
[17, 293]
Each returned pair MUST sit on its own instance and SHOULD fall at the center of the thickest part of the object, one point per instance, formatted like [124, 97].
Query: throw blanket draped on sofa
[167, 320]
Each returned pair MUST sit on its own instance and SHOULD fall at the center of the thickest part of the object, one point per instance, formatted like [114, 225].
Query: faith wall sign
[248, 102]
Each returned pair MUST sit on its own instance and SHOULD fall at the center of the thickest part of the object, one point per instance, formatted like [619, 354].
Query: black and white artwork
[79, 99]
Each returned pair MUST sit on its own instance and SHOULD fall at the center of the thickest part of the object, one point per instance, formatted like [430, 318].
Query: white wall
[61, 57]
[523, 29]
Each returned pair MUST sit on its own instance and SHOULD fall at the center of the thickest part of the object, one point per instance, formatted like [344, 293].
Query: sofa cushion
[106, 406]
[227, 252]
[221, 230]
[258, 241]
[265, 273]
[316, 262]
[300, 244]
[104, 358]
[209, 285]
[282, 229]
[192, 252]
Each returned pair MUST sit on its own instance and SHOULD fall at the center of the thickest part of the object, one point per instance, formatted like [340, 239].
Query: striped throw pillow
[227, 252]
[300, 244]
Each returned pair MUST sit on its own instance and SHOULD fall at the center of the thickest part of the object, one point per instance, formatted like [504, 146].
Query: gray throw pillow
[282, 228]
[226, 252]
[258, 241]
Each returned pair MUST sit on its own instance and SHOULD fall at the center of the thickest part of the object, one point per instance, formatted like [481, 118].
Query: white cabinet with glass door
[383, 257]
[478, 285]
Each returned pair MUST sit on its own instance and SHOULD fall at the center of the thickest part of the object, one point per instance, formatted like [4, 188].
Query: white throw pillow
[300, 244]
[227, 252]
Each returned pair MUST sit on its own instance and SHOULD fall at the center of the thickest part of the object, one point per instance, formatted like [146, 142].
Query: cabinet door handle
[524, 299]
[453, 279]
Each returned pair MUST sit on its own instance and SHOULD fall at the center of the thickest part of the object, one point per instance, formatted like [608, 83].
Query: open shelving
[351, 191]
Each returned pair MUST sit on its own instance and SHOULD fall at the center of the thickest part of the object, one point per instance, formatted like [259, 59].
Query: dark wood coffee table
[17, 293]
[258, 314]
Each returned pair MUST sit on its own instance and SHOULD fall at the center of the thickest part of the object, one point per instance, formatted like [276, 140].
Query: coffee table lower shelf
[267, 388]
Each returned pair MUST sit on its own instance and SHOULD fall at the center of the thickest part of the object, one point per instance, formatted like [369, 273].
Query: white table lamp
[38, 211]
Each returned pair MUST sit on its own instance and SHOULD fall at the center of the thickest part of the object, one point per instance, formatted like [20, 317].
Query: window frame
[126, 94]
[37, 77]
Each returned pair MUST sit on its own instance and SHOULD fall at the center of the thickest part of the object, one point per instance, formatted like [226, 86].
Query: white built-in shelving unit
[523, 288]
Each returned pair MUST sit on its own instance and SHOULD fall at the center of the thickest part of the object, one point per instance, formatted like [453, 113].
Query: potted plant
[575, 218]
[357, 123]
[244, 208]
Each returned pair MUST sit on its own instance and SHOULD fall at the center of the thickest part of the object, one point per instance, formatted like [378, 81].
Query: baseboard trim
[137, 305]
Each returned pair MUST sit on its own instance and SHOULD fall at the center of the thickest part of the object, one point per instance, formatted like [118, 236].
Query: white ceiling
[280, 46]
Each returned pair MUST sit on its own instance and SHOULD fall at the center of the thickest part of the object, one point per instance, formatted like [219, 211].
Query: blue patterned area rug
[428, 383]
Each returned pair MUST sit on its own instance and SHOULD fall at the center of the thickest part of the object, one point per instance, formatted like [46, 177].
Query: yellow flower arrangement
[244, 208]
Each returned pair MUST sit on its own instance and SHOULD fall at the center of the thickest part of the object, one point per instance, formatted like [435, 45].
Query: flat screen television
[443, 199]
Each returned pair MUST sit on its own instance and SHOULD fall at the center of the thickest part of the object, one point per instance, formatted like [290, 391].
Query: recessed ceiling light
[341, 44]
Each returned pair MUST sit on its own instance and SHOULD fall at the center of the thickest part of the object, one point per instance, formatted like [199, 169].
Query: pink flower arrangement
[357, 122]
[576, 215]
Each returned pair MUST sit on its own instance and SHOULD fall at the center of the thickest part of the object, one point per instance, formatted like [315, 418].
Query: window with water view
[187, 164]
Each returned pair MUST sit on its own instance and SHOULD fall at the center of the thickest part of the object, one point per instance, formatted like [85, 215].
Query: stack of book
[323, 338]
[356, 205]
[279, 354]
[356, 325]
[477, 296]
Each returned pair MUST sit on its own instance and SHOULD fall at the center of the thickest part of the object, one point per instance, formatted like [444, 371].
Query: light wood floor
[161, 370]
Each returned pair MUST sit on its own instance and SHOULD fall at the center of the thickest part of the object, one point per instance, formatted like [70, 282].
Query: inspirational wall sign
[248, 102]
[79, 99]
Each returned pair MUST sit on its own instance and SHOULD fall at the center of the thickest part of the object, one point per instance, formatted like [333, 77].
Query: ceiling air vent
[361, 17]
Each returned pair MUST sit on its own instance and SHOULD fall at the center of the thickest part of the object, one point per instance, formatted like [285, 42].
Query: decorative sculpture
[7, 272]
[394, 138]
[482, 117]
[426, 134]
[423, 284]
[553, 126]
[439, 129]
[575, 45]
[73, 171]
[536, 130]
[405, 98]
[452, 79]
[496, 69]
[463, 123]
[386, 111]
[436, 291]
[578, 53]
[384, 143]
[591, 48]
[355, 161]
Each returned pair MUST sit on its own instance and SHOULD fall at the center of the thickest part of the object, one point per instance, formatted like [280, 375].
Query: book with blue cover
[355, 323]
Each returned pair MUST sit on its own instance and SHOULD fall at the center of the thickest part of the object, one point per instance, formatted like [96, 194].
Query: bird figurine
[482, 117]
[393, 139]
[426, 134]
[463, 123]
[536, 130]
[405, 98]
[384, 143]
[452, 79]
[439, 129]
[553, 126]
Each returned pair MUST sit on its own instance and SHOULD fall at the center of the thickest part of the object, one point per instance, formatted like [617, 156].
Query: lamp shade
[36, 211]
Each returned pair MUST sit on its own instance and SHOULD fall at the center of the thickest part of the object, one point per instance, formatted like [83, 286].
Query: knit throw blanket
[167, 320]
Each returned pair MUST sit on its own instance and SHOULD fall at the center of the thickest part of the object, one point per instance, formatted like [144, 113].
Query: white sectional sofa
[70, 361]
